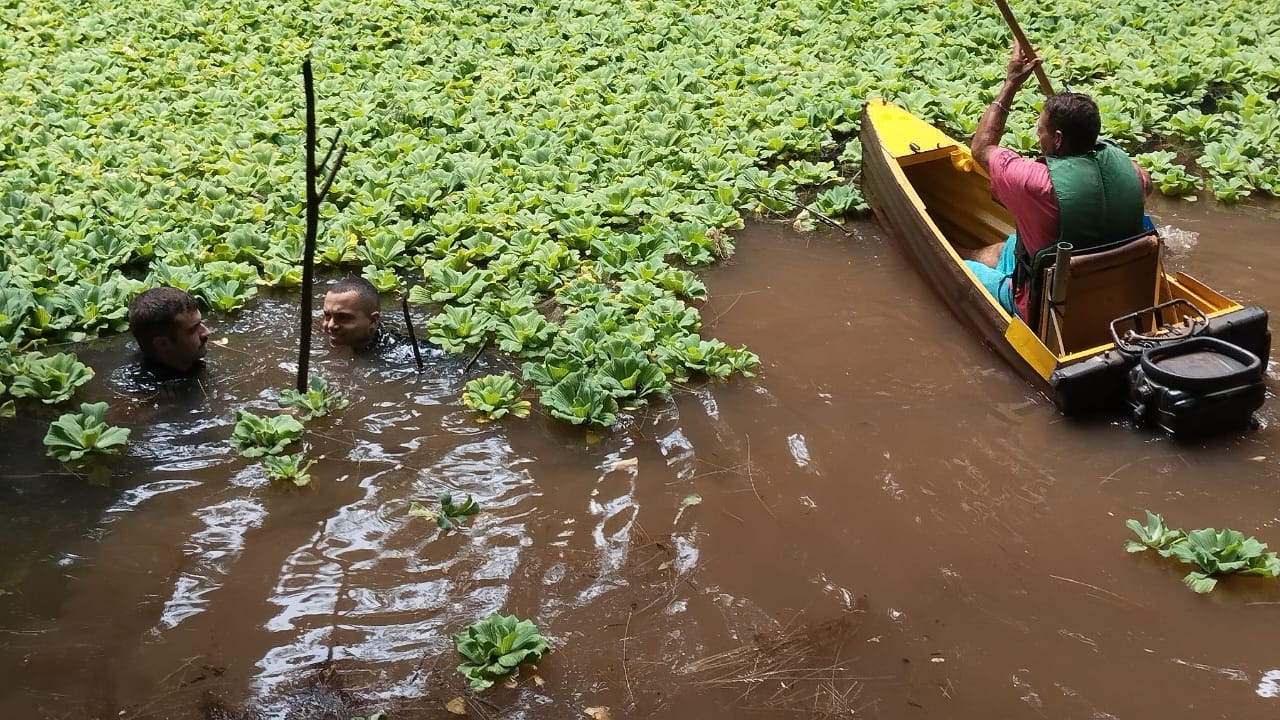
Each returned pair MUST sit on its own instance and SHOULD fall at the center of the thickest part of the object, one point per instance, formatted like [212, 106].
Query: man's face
[346, 323]
[182, 348]
[1050, 140]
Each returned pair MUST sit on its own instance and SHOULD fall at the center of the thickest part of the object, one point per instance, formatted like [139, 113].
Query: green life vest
[1099, 198]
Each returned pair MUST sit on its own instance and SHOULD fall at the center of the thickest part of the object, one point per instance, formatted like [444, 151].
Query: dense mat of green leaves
[506, 152]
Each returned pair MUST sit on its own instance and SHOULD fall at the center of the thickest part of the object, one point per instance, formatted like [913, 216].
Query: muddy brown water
[892, 524]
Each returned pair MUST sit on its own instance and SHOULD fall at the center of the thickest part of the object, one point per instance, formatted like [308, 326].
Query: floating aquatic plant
[496, 647]
[255, 436]
[317, 401]
[495, 396]
[288, 468]
[593, 155]
[77, 434]
[1212, 552]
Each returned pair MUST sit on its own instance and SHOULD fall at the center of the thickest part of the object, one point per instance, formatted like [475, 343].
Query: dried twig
[1095, 587]
[751, 479]
[1112, 474]
[805, 663]
[801, 206]
[328, 178]
[472, 361]
[626, 677]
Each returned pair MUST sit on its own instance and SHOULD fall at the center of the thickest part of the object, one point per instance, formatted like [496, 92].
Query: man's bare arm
[986, 137]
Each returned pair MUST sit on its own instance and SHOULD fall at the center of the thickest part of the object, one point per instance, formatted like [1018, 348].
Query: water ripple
[213, 551]
[133, 497]
[378, 585]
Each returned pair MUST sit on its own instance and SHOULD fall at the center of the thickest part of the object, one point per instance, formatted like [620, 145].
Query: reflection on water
[212, 553]
[1269, 686]
[885, 466]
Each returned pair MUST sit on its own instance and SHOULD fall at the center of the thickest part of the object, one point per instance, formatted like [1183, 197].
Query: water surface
[900, 524]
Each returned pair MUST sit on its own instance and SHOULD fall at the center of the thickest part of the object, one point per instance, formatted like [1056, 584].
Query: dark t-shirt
[145, 377]
[397, 349]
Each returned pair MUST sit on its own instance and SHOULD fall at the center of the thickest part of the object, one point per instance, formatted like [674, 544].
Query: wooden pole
[408, 325]
[313, 221]
[1027, 50]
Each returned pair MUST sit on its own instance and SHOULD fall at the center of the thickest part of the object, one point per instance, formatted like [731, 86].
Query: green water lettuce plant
[633, 376]
[1212, 552]
[841, 200]
[495, 396]
[317, 401]
[77, 434]
[288, 468]
[1169, 176]
[524, 334]
[580, 398]
[1154, 535]
[450, 514]
[255, 436]
[1221, 553]
[52, 379]
[495, 647]
[459, 328]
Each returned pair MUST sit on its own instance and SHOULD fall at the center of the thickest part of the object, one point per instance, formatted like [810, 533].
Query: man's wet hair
[154, 313]
[1076, 116]
[364, 289]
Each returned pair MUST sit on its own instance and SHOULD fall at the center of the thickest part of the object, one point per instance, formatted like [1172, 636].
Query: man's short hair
[364, 290]
[1076, 116]
[154, 312]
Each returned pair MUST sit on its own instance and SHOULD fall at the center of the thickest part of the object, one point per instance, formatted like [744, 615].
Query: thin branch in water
[472, 361]
[724, 312]
[801, 206]
[626, 676]
[1101, 590]
[1112, 474]
[408, 326]
[751, 479]
[328, 178]
[329, 153]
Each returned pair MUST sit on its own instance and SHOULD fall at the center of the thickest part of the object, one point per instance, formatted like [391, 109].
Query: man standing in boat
[1080, 190]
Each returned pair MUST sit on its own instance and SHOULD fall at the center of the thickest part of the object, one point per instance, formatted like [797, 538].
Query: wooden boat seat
[1104, 284]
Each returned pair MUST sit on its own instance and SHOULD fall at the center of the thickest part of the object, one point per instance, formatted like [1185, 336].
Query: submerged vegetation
[525, 166]
[450, 515]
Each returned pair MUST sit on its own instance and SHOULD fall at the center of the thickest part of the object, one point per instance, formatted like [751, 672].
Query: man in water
[1080, 190]
[171, 334]
[351, 317]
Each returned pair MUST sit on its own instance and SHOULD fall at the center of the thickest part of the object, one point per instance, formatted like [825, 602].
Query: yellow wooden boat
[1111, 307]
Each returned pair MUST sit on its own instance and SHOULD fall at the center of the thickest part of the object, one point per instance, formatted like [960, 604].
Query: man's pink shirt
[1022, 186]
